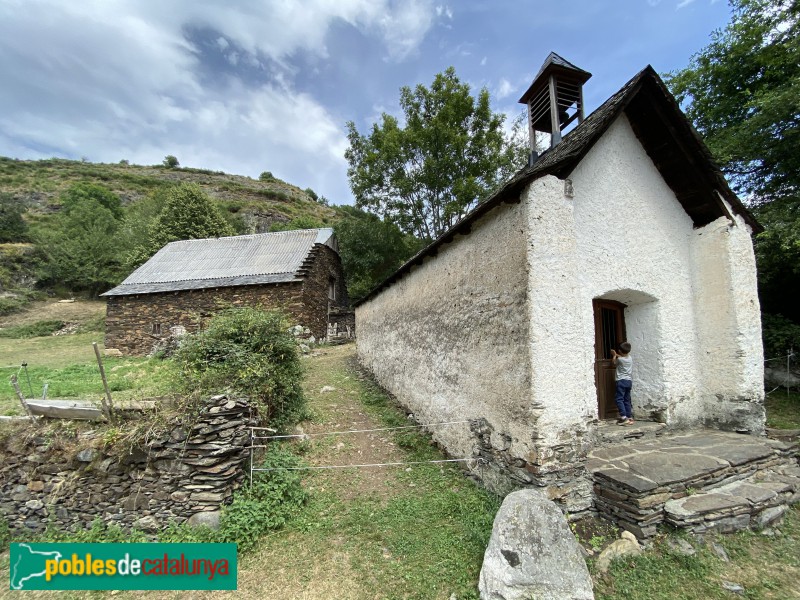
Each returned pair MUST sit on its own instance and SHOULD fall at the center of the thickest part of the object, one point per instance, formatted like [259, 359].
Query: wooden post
[108, 406]
[21, 397]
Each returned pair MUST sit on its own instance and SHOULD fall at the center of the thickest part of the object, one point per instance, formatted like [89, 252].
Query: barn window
[332, 288]
[156, 328]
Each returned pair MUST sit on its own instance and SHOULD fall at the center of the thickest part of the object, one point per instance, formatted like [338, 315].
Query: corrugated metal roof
[220, 262]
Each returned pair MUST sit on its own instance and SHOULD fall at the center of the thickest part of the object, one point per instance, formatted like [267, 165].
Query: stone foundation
[188, 471]
[560, 471]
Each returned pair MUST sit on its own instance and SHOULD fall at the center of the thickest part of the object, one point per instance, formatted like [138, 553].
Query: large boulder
[533, 554]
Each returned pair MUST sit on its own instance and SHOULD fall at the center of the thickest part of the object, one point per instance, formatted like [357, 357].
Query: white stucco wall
[731, 360]
[684, 289]
[633, 242]
[449, 339]
[499, 325]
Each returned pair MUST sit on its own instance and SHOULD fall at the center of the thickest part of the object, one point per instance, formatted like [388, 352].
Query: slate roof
[277, 257]
[669, 138]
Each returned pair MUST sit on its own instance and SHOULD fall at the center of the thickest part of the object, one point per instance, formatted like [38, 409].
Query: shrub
[13, 227]
[266, 176]
[251, 352]
[779, 334]
[311, 194]
[171, 162]
[268, 504]
[37, 329]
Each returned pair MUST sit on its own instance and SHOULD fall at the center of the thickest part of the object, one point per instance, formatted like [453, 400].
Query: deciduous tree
[371, 249]
[427, 172]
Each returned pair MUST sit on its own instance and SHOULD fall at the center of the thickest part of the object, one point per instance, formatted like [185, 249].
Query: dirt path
[332, 387]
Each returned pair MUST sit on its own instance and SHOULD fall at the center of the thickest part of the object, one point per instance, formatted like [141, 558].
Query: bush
[268, 504]
[779, 334]
[266, 176]
[311, 194]
[250, 352]
[37, 329]
[13, 227]
[171, 162]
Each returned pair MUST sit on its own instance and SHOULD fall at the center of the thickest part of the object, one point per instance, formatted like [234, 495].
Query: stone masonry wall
[133, 322]
[189, 471]
[326, 266]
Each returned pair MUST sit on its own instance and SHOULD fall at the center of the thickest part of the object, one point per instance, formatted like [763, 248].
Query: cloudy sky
[250, 86]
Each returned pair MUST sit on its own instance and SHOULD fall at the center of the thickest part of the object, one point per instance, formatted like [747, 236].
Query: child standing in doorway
[624, 364]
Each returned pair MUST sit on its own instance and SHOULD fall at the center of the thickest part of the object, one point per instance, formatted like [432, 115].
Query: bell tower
[554, 99]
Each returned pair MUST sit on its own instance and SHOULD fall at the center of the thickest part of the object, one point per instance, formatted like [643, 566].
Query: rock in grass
[733, 587]
[326, 389]
[680, 546]
[618, 549]
[533, 554]
[207, 518]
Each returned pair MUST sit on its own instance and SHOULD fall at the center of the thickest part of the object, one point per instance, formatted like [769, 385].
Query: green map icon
[28, 564]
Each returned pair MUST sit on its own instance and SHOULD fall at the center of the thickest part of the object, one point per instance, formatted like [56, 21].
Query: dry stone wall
[184, 475]
[134, 324]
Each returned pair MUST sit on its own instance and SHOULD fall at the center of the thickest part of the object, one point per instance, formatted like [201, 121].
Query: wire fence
[255, 438]
[790, 359]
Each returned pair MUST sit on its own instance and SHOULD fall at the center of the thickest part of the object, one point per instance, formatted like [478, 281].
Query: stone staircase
[700, 480]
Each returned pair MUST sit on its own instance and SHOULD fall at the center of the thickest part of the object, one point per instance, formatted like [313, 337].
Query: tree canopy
[80, 245]
[742, 92]
[427, 173]
[187, 213]
[13, 227]
[371, 249]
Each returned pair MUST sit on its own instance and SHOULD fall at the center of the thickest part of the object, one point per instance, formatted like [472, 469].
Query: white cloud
[444, 10]
[504, 89]
[483, 61]
[684, 3]
[112, 80]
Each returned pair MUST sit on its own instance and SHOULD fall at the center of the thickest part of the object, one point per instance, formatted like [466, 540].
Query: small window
[156, 328]
[332, 288]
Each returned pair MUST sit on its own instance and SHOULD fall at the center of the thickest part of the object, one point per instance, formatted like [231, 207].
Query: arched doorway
[633, 316]
[609, 329]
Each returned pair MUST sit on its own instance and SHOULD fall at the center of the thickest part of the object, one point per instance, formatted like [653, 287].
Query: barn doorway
[609, 331]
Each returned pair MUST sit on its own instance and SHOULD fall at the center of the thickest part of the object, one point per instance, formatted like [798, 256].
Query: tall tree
[80, 244]
[426, 174]
[742, 92]
[371, 249]
[187, 213]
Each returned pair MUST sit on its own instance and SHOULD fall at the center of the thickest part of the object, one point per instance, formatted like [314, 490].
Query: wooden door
[609, 332]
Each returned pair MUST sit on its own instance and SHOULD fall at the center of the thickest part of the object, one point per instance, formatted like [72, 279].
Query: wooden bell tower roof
[555, 96]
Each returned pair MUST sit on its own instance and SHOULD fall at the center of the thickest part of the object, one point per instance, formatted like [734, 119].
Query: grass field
[67, 363]
[411, 531]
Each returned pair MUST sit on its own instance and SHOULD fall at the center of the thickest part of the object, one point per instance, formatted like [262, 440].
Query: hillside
[37, 188]
[259, 203]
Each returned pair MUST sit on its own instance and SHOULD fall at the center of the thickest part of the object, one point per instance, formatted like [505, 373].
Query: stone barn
[185, 282]
[623, 229]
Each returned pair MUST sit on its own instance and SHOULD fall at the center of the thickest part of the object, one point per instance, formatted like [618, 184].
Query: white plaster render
[729, 326]
[449, 339]
[633, 239]
[562, 386]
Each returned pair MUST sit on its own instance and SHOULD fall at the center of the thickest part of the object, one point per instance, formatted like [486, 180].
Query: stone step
[753, 503]
[608, 433]
[633, 482]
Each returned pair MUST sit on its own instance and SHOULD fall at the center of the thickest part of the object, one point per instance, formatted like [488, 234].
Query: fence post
[108, 407]
[20, 395]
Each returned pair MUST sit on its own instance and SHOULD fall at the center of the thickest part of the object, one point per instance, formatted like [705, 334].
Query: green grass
[783, 411]
[767, 567]
[68, 365]
[37, 329]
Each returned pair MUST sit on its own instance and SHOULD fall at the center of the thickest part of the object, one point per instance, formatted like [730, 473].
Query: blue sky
[252, 86]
